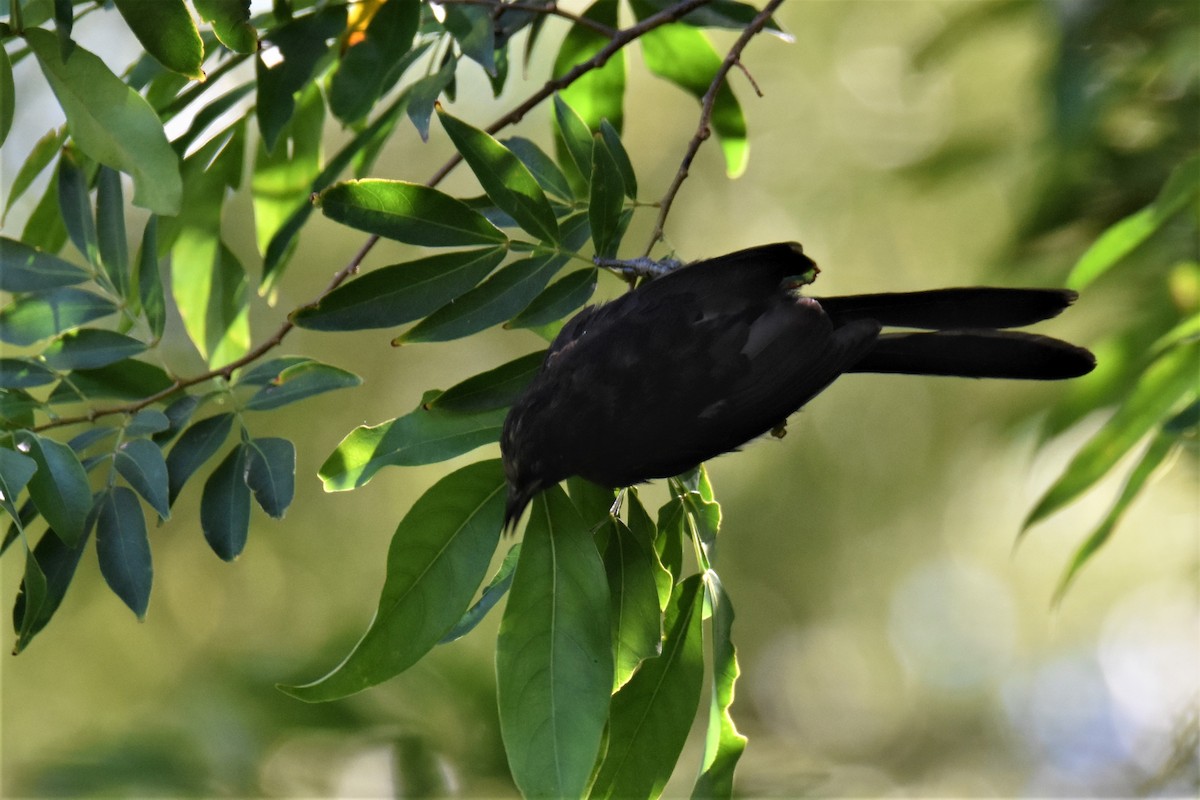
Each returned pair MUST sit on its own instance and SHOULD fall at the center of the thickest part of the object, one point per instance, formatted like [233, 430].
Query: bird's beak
[513, 509]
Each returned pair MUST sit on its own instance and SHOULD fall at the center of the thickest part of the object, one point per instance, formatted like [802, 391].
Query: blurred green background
[892, 641]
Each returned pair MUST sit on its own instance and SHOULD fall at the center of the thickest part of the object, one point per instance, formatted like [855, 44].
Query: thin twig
[551, 9]
[619, 40]
[704, 128]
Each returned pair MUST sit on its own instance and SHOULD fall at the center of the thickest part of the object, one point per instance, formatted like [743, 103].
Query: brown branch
[704, 128]
[549, 10]
[619, 40]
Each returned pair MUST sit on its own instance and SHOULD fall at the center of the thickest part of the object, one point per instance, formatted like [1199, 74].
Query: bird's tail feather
[977, 354]
[948, 309]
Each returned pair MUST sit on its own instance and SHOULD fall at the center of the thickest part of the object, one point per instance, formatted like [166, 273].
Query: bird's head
[526, 468]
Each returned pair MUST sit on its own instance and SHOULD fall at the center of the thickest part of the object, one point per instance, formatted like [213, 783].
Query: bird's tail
[967, 338]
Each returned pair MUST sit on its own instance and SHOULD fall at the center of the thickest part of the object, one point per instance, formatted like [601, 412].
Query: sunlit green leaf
[271, 473]
[230, 20]
[408, 212]
[653, 712]
[31, 318]
[283, 177]
[400, 293]
[112, 123]
[43, 152]
[300, 382]
[166, 29]
[141, 463]
[599, 93]
[438, 557]
[723, 744]
[554, 667]
[637, 630]
[225, 506]
[576, 136]
[123, 548]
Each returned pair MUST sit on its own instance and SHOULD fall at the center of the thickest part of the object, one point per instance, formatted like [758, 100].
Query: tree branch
[704, 128]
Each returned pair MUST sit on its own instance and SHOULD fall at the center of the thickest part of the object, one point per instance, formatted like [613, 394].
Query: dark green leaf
[17, 408]
[57, 563]
[124, 548]
[642, 526]
[424, 95]
[474, 30]
[150, 288]
[31, 318]
[424, 436]
[82, 441]
[543, 168]
[141, 463]
[557, 300]
[59, 488]
[31, 598]
[300, 382]
[616, 149]
[125, 380]
[607, 200]
[64, 21]
[685, 57]
[23, 373]
[1159, 389]
[360, 78]
[198, 443]
[146, 422]
[165, 28]
[507, 181]
[271, 473]
[302, 44]
[77, 206]
[230, 20]
[631, 564]
[43, 152]
[267, 371]
[652, 714]
[438, 557]
[112, 123]
[225, 506]
[723, 744]
[89, 348]
[554, 667]
[497, 587]
[178, 412]
[400, 293]
[110, 228]
[496, 388]
[27, 269]
[408, 212]
[8, 93]
[15, 471]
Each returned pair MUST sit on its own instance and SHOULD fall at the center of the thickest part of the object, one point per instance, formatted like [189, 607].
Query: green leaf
[541, 166]
[166, 29]
[497, 587]
[492, 302]
[303, 44]
[576, 136]
[669, 541]
[230, 21]
[723, 744]
[57, 563]
[76, 206]
[28, 269]
[110, 227]
[90, 348]
[8, 93]
[360, 78]
[225, 506]
[632, 564]
[652, 714]
[146, 422]
[424, 436]
[1158, 390]
[45, 229]
[206, 117]
[600, 93]
[31, 598]
[643, 527]
[474, 30]
[271, 473]
[616, 149]
[496, 388]
[557, 300]
[59, 488]
[123, 548]
[300, 382]
[554, 667]
[283, 177]
[408, 212]
[1181, 191]
[150, 288]
[112, 123]
[198, 444]
[399, 293]
[125, 380]
[31, 318]
[437, 559]
[607, 201]
[177, 412]
[424, 95]
[141, 463]
[15, 471]
[685, 57]
[43, 152]
[507, 181]
[23, 373]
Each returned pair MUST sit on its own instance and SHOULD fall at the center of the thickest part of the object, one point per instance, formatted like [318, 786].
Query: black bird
[702, 360]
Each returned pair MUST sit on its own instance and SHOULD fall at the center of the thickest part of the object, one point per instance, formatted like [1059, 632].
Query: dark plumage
[704, 359]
